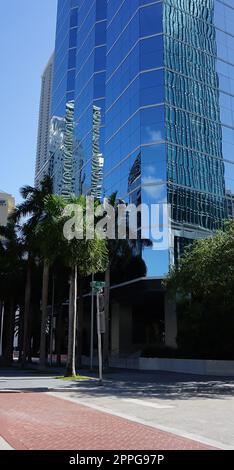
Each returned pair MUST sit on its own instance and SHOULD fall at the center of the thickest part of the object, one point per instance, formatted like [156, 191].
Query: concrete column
[115, 324]
[170, 320]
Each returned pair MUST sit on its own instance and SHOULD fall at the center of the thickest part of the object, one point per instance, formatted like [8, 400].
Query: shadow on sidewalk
[123, 384]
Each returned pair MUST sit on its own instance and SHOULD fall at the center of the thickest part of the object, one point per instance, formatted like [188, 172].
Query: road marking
[135, 401]
[4, 445]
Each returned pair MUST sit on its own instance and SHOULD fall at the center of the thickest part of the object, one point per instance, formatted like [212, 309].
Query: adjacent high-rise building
[7, 205]
[161, 74]
[42, 157]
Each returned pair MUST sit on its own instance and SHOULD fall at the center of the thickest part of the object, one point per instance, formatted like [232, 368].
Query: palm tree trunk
[45, 288]
[1, 327]
[59, 334]
[107, 318]
[71, 354]
[21, 331]
[80, 324]
[8, 355]
[27, 311]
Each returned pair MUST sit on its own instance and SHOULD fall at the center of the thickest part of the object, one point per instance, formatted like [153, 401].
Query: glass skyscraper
[162, 75]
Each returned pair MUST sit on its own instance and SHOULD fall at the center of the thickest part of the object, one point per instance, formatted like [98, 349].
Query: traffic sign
[97, 286]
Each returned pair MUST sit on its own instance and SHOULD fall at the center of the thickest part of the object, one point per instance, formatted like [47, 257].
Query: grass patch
[77, 377]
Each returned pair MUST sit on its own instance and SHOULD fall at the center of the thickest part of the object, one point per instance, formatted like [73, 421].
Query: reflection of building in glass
[63, 89]
[230, 205]
[44, 123]
[57, 131]
[90, 93]
[196, 185]
[134, 182]
[97, 158]
[68, 150]
[78, 161]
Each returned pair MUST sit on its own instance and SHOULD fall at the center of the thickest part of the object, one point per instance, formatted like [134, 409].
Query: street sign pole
[52, 325]
[92, 322]
[97, 288]
[99, 339]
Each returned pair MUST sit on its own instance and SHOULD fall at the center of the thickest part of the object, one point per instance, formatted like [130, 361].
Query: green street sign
[97, 285]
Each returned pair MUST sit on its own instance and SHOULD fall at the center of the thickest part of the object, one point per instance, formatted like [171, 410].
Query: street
[131, 410]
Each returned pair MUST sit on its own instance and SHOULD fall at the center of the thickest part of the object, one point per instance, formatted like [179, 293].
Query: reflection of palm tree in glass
[78, 173]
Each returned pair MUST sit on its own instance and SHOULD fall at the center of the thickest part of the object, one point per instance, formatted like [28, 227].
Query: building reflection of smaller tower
[134, 194]
[56, 141]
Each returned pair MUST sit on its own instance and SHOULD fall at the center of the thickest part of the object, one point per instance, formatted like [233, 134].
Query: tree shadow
[128, 384]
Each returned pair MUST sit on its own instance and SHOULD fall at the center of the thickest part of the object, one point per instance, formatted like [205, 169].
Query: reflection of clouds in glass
[154, 134]
[149, 169]
[154, 188]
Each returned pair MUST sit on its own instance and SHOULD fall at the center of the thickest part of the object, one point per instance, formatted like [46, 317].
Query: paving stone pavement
[37, 421]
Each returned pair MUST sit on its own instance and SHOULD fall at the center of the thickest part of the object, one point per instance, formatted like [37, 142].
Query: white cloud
[154, 134]
[154, 188]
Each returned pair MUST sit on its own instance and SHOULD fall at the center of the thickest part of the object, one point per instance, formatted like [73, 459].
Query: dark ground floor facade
[141, 316]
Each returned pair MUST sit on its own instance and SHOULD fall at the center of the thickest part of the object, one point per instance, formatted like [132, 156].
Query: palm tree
[11, 272]
[82, 256]
[49, 232]
[32, 207]
[113, 248]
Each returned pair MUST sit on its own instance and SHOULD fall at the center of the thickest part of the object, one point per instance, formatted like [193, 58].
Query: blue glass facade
[90, 85]
[162, 73]
[63, 83]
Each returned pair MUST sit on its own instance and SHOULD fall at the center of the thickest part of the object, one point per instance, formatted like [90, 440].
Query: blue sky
[27, 36]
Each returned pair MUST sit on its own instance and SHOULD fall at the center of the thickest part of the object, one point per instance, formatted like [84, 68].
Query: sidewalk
[37, 421]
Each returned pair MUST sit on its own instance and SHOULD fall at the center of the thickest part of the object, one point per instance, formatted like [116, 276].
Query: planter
[186, 366]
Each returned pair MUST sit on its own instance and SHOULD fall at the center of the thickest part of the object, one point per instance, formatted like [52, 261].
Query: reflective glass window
[153, 164]
[101, 9]
[74, 18]
[99, 85]
[152, 124]
[151, 52]
[100, 33]
[71, 80]
[151, 20]
[73, 38]
[151, 87]
[100, 58]
[72, 59]
[157, 262]
[70, 96]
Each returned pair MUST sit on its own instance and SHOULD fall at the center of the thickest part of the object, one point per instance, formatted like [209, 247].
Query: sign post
[97, 287]
[92, 322]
